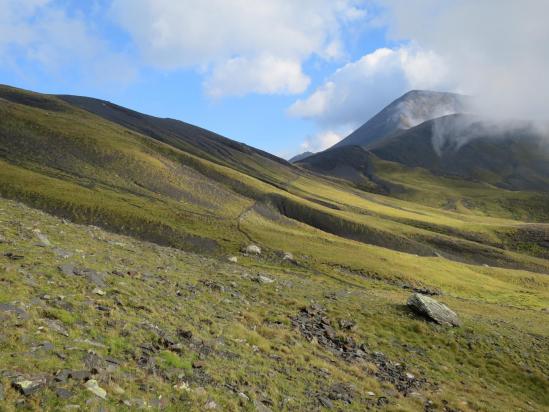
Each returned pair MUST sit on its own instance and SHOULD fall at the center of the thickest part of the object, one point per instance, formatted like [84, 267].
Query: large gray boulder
[429, 307]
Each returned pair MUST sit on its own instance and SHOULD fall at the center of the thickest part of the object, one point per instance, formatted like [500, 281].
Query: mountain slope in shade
[351, 163]
[191, 139]
[513, 156]
[300, 156]
[407, 111]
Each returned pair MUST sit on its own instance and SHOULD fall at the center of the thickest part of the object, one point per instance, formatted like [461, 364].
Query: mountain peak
[409, 110]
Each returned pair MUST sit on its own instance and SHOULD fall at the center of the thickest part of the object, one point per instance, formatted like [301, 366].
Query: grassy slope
[110, 176]
[494, 362]
[94, 171]
[462, 196]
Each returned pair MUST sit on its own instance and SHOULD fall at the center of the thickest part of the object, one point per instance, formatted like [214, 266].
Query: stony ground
[102, 322]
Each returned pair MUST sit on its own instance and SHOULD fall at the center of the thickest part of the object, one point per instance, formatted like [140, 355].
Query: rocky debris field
[102, 322]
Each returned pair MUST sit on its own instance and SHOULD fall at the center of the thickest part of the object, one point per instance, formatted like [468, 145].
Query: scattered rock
[233, 259]
[429, 307]
[94, 388]
[327, 403]
[198, 364]
[99, 292]
[67, 269]
[396, 374]
[342, 392]
[382, 401]
[423, 290]
[62, 253]
[63, 393]
[314, 325]
[90, 342]
[44, 241]
[93, 276]
[13, 256]
[252, 250]
[263, 279]
[288, 257]
[113, 361]
[56, 327]
[93, 362]
[261, 407]
[45, 346]
[62, 375]
[28, 387]
[210, 405]
[20, 313]
[80, 375]
[213, 285]
[184, 334]
[346, 324]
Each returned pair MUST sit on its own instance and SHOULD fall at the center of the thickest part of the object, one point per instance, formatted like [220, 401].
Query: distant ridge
[300, 156]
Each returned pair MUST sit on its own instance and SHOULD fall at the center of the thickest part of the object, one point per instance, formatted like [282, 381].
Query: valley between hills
[147, 263]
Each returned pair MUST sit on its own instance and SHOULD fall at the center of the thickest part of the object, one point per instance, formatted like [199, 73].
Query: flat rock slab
[429, 307]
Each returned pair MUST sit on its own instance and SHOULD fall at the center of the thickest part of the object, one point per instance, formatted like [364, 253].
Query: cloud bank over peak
[495, 50]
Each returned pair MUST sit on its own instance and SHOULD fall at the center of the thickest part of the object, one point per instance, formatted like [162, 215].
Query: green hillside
[358, 253]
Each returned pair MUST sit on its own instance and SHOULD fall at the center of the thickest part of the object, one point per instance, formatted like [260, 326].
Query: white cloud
[321, 141]
[40, 32]
[360, 89]
[265, 74]
[237, 39]
[496, 50]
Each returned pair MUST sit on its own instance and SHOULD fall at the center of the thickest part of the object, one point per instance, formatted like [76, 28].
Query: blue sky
[282, 75]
